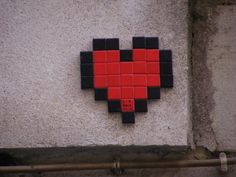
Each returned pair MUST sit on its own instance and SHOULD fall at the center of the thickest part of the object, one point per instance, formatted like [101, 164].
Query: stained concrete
[42, 104]
[221, 61]
[193, 172]
[78, 155]
[213, 83]
[202, 88]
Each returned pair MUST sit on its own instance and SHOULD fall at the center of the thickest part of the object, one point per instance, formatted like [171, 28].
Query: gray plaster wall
[213, 96]
[213, 68]
[42, 104]
[222, 62]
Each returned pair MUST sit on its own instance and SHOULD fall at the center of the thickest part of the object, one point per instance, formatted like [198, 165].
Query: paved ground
[42, 104]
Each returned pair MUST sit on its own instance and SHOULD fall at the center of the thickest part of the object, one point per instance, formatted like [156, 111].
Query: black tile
[167, 81]
[152, 43]
[86, 69]
[100, 94]
[114, 106]
[128, 117]
[154, 93]
[86, 82]
[86, 57]
[112, 44]
[139, 43]
[165, 55]
[166, 68]
[126, 55]
[141, 105]
[99, 44]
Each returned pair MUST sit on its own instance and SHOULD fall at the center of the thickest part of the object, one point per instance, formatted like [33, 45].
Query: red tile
[140, 67]
[100, 56]
[139, 55]
[140, 92]
[100, 81]
[140, 80]
[114, 93]
[153, 67]
[113, 56]
[100, 69]
[113, 80]
[126, 79]
[152, 55]
[113, 68]
[126, 67]
[153, 80]
[127, 105]
[127, 92]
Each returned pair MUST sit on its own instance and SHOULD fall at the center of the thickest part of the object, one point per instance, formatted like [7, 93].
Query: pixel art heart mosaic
[126, 79]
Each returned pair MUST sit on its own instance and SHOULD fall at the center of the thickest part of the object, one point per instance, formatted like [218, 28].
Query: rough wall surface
[221, 61]
[42, 104]
[202, 87]
[213, 59]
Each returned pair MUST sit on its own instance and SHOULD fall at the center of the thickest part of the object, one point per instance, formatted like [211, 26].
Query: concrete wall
[213, 58]
[42, 104]
[221, 61]
[213, 83]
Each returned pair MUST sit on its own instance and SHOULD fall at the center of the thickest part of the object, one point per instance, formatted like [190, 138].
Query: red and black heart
[126, 78]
